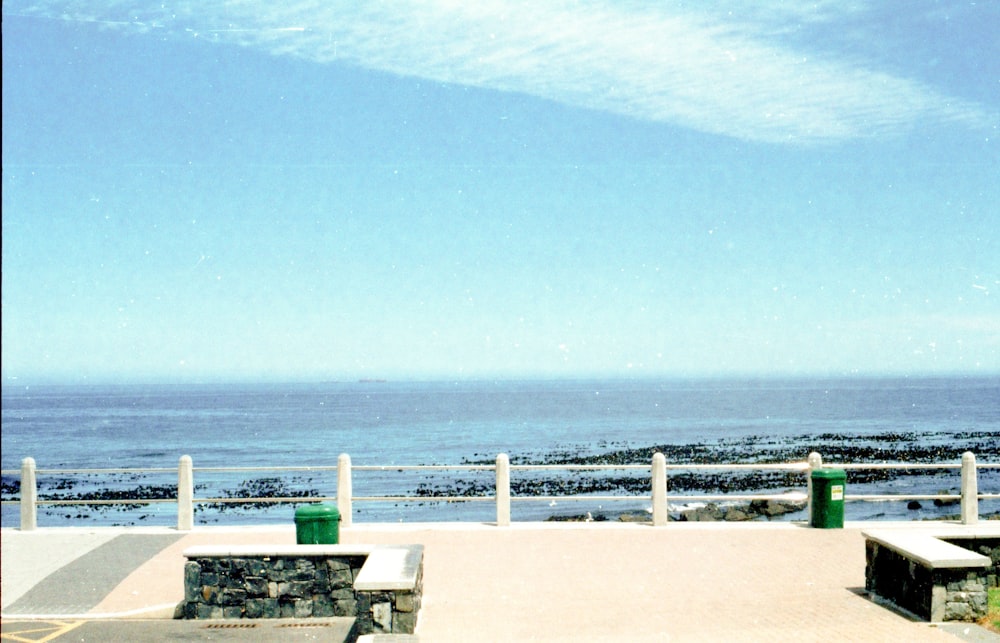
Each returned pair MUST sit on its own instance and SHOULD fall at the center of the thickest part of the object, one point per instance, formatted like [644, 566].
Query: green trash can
[317, 524]
[827, 501]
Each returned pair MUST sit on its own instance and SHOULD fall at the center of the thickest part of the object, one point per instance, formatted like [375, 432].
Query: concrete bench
[921, 572]
[380, 585]
[386, 567]
[391, 568]
[928, 550]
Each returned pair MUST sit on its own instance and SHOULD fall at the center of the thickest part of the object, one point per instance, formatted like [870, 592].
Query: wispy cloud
[709, 71]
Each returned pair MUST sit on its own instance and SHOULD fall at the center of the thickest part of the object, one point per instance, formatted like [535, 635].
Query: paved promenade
[528, 582]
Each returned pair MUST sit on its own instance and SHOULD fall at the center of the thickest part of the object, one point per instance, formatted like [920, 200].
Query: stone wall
[989, 547]
[294, 587]
[948, 594]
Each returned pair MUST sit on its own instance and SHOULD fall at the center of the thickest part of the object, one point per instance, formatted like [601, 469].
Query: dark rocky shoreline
[711, 512]
[918, 448]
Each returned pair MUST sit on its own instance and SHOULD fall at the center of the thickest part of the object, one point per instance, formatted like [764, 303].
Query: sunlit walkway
[534, 581]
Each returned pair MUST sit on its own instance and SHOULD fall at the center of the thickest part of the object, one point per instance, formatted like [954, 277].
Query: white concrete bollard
[29, 495]
[185, 494]
[344, 490]
[503, 490]
[970, 489]
[659, 489]
[815, 461]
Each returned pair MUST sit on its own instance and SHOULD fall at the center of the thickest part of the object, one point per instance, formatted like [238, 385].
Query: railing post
[503, 490]
[659, 489]
[815, 462]
[29, 495]
[185, 494]
[970, 489]
[344, 490]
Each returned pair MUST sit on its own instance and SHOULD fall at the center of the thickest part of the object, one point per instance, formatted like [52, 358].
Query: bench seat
[927, 549]
[386, 567]
[918, 570]
[380, 585]
[390, 568]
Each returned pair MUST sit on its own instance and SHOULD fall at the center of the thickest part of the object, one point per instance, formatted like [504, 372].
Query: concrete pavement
[527, 582]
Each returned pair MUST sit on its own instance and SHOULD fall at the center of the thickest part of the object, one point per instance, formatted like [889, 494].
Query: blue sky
[319, 190]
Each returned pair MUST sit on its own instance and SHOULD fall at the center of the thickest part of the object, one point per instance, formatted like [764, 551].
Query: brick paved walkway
[678, 583]
[554, 582]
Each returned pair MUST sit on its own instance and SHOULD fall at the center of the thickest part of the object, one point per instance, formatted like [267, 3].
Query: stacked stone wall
[294, 587]
[933, 594]
[989, 547]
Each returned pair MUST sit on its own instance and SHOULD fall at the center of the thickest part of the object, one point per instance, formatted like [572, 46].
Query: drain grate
[230, 626]
[305, 625]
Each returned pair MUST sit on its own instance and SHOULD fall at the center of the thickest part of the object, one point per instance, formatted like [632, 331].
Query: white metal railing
[185, 500]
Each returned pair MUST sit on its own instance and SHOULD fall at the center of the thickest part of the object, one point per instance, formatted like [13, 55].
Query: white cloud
[726, 72]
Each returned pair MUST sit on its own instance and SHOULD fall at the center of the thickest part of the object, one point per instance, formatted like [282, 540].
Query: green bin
[827, 501]
[317, 524]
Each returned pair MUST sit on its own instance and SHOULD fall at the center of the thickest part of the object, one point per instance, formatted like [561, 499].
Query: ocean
[393, 424]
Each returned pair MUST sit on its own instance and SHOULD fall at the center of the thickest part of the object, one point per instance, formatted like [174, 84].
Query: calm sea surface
[389, 423]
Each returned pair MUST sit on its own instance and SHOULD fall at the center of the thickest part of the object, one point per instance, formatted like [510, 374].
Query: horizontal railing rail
[658, 469]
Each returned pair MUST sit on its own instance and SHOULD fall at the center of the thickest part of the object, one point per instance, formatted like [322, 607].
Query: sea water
[150, 426]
